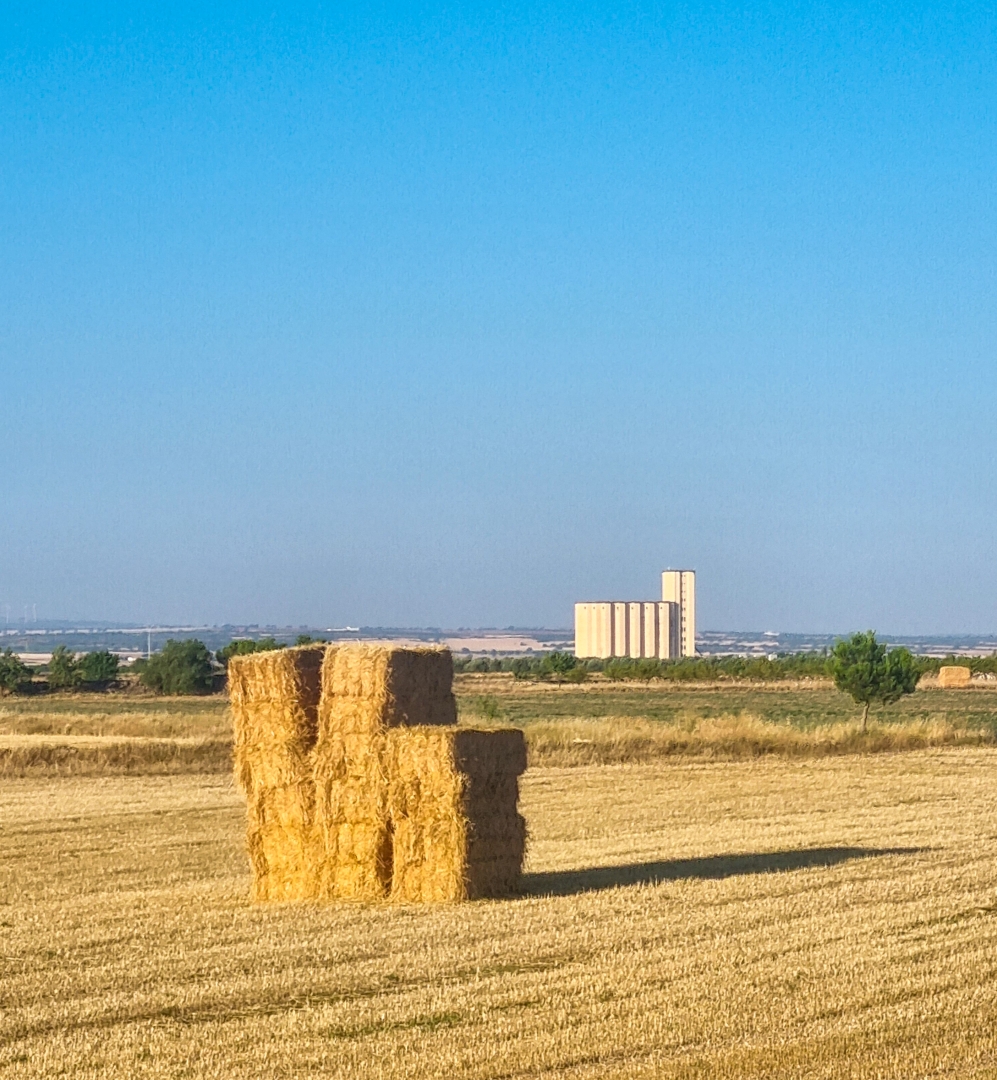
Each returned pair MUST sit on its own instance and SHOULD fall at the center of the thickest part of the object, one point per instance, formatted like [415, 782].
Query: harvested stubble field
[107, 734]
[131, 715]
[831, 917]
[595, 723]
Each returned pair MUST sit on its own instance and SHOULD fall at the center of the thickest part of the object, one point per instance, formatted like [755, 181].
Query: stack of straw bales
[359, 784]
[954, 676]
[275, 701]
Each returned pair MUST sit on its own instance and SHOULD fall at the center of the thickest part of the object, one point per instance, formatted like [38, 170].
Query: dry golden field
[827, 917]
[595, 723]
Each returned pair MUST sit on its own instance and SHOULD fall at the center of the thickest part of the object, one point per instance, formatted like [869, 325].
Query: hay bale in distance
[953, 676]
[452, 795]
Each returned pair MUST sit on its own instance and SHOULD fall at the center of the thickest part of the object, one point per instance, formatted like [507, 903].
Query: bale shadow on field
[712, 867]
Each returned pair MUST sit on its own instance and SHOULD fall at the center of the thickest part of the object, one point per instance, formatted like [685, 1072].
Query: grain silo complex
[679, 587]
[660, 629]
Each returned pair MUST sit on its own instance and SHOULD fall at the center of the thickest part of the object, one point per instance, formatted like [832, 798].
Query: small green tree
[522, 667]
[862, 667]
[63, 673]
[245, 646]
[97, 669]
[558, 664]
[14, 675]
[619, 669]
[182, 667]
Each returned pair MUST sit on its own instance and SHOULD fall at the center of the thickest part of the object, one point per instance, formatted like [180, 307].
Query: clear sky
[454, 316]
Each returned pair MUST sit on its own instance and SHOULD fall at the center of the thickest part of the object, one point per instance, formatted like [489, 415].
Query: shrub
[14, 675]
[97, 669]
[522, 667]
[182, 667]
[62, 669]
[245, 646]
[558, 664]
[488, 707]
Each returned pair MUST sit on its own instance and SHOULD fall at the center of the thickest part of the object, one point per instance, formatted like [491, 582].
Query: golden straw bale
[351, 820]
[281, 842]
[370, 688]
[274, 698]
[954, 676]
[355, 862]
[452, 795]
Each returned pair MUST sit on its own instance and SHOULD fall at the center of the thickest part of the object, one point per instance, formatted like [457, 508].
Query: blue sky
[440, 316]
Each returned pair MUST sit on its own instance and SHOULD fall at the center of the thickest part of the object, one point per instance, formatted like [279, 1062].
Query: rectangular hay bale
[281, 842]
[452, 803]
[351, 819]
[274, 697]
[370, 688]
[954, 676]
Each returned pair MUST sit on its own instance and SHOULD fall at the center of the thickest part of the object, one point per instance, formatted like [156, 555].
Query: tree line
[64, 671]
[784, 666]
[187, 666]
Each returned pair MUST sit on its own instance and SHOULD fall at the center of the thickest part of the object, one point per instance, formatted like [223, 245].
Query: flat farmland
[826, 917]
[599, 722]
[602, 722]
[501, 698]
[804, 705]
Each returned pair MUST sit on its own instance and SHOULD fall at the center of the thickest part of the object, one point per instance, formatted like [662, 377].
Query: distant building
[679, 587]
[663, 630]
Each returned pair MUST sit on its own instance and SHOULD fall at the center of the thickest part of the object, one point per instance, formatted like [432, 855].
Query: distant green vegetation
[562, 666]
[14, 676]
[713, 669]
[97, 669]
[188, 667]
[181, 667]
[553, 666]
[246, 646]
[865, 669]
[91, 671]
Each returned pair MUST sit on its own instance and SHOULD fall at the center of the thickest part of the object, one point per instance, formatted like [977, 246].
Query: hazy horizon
[56, 626]
[456, 317]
